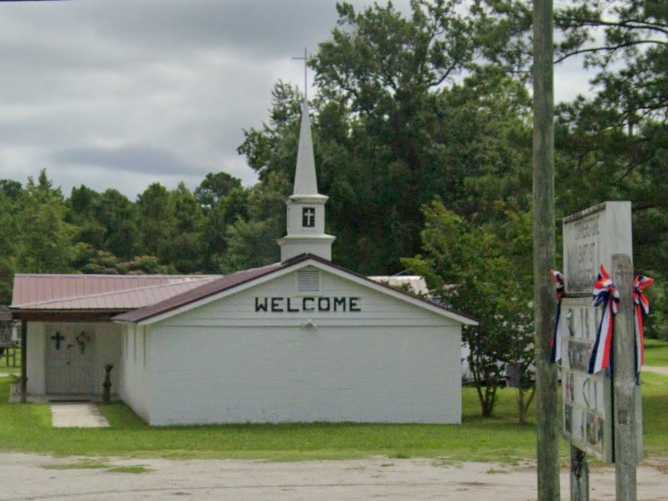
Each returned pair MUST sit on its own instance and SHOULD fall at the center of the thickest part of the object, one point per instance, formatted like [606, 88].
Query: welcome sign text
[307, 304]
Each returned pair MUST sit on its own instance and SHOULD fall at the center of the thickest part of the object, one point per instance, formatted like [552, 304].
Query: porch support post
[24, 361]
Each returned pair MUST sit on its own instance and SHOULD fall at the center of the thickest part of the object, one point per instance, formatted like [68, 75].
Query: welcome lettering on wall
[307, 304]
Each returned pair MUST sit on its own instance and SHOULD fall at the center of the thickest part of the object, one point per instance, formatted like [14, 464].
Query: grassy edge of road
[27, 428]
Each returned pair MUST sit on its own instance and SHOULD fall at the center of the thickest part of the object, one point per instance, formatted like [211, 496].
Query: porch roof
[99, 292]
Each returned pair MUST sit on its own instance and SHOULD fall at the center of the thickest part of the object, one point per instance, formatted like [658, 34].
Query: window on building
[308, 217]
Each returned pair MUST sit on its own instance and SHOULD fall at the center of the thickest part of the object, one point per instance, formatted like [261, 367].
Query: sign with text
[308, 304]
[591, 238]
[587, 398]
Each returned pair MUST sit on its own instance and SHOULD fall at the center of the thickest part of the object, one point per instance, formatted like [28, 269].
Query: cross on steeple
[305, 59]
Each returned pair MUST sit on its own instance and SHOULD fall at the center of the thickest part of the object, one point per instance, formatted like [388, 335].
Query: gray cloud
[127, 92]
[122, 93]
[130, 159]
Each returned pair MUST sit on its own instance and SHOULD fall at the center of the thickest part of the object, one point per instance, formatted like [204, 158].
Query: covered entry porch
[67, 336]
[64, 359]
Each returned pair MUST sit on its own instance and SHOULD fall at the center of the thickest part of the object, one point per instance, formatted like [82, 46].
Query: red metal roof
[100, 292]
[144, 296]
[205, 290]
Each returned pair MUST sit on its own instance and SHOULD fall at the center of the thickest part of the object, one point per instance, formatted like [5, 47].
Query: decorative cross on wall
[58, 338]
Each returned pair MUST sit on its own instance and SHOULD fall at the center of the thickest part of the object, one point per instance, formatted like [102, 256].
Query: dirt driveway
[663, 371]
[39, 477]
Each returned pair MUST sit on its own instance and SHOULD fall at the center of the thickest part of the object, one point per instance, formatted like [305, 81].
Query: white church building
[301, 340]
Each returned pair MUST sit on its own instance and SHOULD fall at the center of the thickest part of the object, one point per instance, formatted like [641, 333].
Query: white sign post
[601, 414]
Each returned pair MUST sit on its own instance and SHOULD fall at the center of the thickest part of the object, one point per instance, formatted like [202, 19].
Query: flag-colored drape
[559, 324]
[605, 294]
[641, 309]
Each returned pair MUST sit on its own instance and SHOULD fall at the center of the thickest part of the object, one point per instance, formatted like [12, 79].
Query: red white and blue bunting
[641, 309]
[555, 342]
[605, 294]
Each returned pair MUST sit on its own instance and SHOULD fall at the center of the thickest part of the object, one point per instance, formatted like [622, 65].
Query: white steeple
[306, 207]
[306, 182]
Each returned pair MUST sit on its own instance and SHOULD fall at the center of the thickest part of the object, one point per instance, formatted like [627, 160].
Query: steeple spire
[306, 181]
[306, 207]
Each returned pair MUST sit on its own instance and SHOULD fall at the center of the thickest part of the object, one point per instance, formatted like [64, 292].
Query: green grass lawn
[27, 428]
[656, 353]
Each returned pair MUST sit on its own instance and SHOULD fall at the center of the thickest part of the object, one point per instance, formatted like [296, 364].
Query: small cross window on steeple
[308, 217]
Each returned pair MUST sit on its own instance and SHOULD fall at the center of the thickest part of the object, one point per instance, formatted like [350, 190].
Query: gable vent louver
[308, 281]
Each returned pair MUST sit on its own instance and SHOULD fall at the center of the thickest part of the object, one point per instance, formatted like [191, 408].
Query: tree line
[422, 131]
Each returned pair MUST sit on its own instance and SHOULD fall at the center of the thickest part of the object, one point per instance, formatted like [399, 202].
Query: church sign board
[591, 238]
[587, 398]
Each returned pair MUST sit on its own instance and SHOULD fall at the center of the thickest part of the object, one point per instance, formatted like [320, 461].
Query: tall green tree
[156, 213]
[8, 245]
[251, 240]
[45, 239]
[215, 187]
[81, 215]
[388, 71]
[485, 271]
[10, 188]
[223, 200]
[613, 143]
[184, 246]
[616, 142]
[120, 219]
[219, 219]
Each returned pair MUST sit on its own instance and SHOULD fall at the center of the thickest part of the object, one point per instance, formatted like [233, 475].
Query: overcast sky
[123, 93]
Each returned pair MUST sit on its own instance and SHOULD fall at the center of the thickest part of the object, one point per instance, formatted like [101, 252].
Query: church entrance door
[69, 360]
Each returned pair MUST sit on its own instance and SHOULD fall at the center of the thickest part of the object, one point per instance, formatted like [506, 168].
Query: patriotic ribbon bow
[604, 294]
[641, 309]
[560, 290]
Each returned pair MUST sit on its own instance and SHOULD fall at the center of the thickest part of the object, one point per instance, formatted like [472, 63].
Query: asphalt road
[24, 477]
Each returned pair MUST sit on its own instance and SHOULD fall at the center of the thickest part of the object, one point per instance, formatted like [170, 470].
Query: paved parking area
[24, 477]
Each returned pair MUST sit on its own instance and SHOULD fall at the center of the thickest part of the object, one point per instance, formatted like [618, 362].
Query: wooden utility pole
[627, 449]
[579, 475]
[547, 412]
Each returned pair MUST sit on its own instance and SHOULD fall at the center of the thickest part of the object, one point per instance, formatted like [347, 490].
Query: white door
[69, 360]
